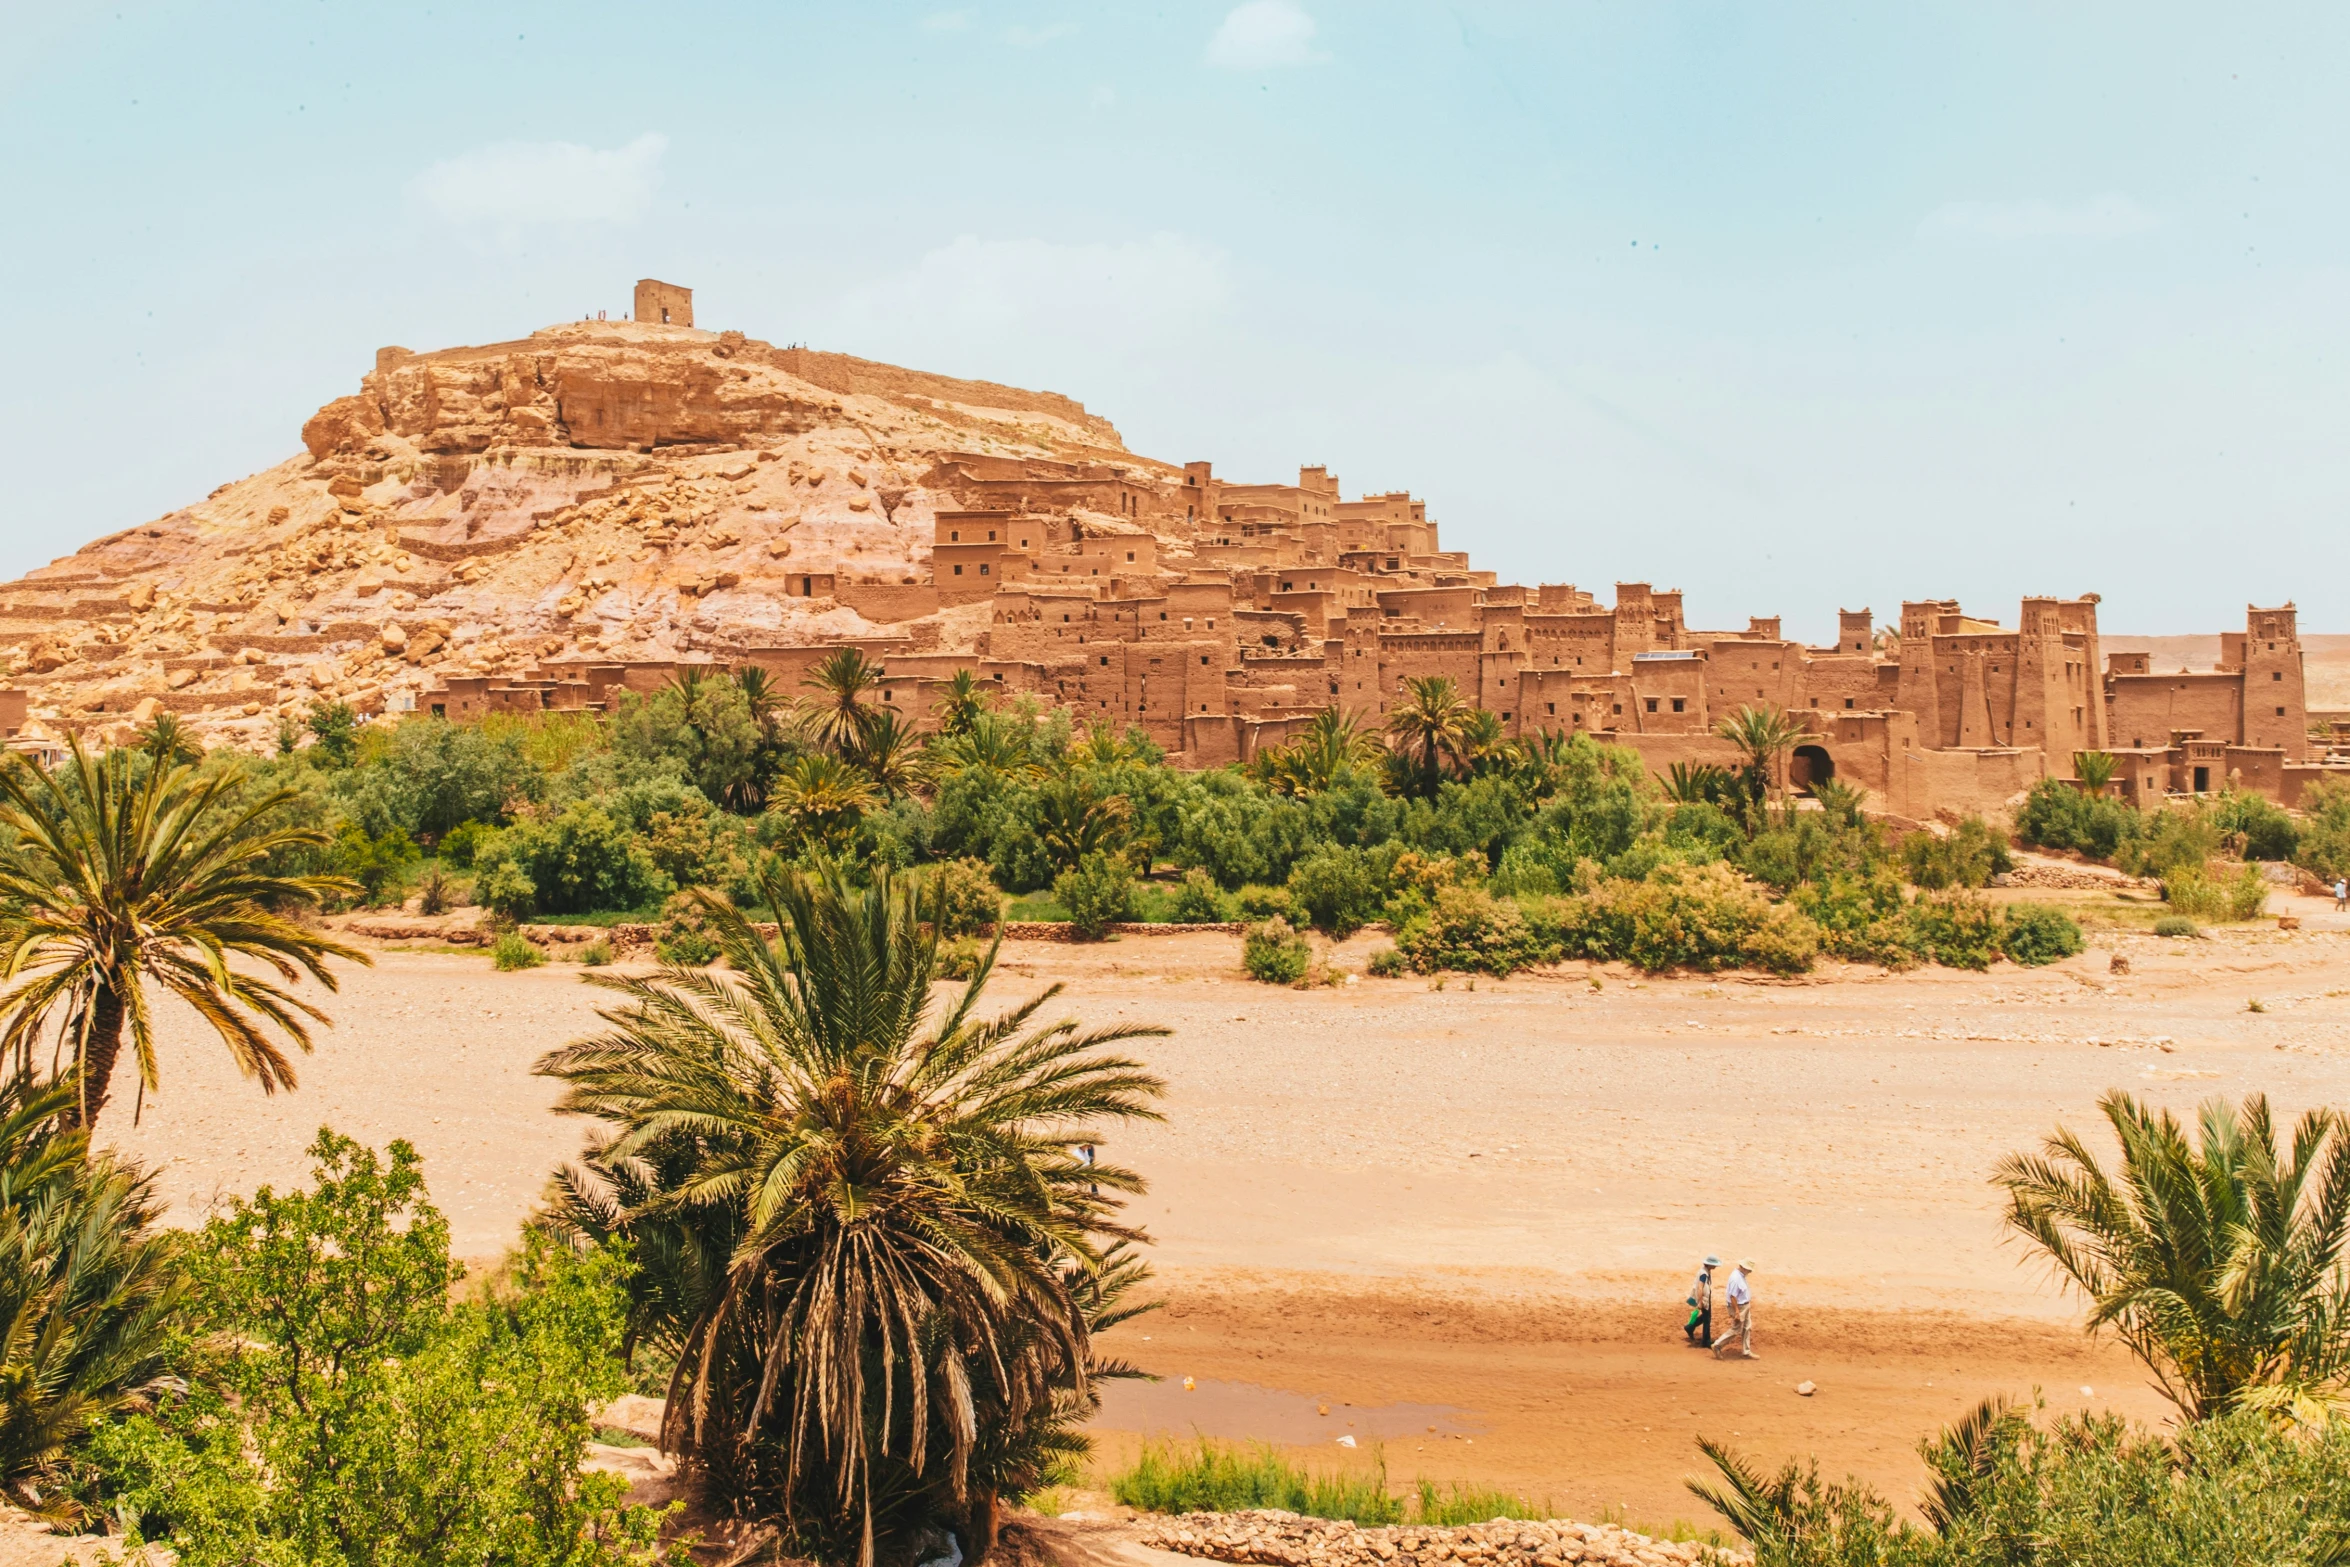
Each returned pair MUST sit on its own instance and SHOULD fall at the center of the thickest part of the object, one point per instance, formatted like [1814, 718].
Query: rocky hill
[603, 490]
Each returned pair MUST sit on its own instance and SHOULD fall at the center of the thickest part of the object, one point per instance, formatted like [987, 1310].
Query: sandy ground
[1476, 1206]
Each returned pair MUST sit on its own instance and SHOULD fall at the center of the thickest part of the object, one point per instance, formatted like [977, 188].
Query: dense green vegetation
[339, 1408]
[2205, 853]
[1483, 854]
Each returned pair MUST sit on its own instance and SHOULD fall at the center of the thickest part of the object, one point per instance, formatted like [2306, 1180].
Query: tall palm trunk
[98, 1053]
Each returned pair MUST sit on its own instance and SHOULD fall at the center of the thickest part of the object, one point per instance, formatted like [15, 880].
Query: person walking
[1740, 1294]
[1699, 1329]
[2341, 893]
[1085, 1157]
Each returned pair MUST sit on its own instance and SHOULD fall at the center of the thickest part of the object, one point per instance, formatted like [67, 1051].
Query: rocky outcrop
[598, 491]
[1279, 1539]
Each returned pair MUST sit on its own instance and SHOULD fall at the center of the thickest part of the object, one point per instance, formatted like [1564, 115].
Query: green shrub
[2322, 845]
[2193, 891]
[2032, 934]
[2176, 840]
[1275, 953]
[459, 844]
[1968, 856]
[2247, 894]
[1955, 929]
[380, 865]
[1860, 920]
[2260, 826]
[353, 1410]
[1387, 963]
[437, 891]
[1222, 1477]
[1689, 916]
[2056, 815]
[2176, 925]
[2002, 1490]
[511, 952]
[1098, 893]
[578, 861]
[686, 935]
[1264, 903]
[1471, 931]
[1337, 890]
[698, 848]
[596, 954]
[507, 891]
[960, 958]
[966, 898]
[1197, 900]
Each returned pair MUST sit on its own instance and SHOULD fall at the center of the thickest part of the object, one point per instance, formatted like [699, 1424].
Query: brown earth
[1477, 1206]
[598, 490]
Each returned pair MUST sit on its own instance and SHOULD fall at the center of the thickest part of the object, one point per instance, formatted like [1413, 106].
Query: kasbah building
[1218, 617]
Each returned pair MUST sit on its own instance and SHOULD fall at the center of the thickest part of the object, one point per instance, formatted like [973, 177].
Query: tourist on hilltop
[1740, 1295]
[1699, 1329]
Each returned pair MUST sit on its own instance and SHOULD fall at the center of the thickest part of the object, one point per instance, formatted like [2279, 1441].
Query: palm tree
[1333, 743]
[1839, 802]
[1430, 726]
[2095, 769]
[998, 744]
[1075, 819]
[1696, 783]
[822, 797]
[912, 1234]
[892, 756]
[839, 716]
[118, 881]
[2220, 1266]
[169, 742]
[1104, 747]
[1481, 738]
[1762, 735]
[960, 704]
[763, 698]
[87, 1291]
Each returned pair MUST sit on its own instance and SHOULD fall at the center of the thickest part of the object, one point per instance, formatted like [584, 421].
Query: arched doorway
[1810, 765]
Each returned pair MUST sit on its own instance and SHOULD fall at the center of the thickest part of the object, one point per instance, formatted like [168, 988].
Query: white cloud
[947, 22]
[1037, 37]
[1262, 34]
[998, 309]
[2110, 216]
[1101, 97]
[516, 182]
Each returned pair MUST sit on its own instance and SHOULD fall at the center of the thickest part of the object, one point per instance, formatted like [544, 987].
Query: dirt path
[1486, 1200]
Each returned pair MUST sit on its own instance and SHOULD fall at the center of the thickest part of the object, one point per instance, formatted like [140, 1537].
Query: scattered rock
[1280, 1539]
[1806, 1388]
[395, 637]
[2118, 965]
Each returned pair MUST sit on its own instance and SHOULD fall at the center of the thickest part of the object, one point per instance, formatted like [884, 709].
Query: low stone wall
[1280, 1539]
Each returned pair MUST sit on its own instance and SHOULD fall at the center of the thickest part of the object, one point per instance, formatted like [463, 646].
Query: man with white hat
[1699, 1329]
[1740, 1295]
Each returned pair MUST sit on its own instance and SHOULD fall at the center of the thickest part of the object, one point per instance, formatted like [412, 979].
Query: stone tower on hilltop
[663, 303]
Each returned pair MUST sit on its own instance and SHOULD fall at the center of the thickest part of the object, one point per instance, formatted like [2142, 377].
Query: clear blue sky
[1791, 306]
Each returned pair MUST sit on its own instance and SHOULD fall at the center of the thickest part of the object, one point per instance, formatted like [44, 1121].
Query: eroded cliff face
[599, 489]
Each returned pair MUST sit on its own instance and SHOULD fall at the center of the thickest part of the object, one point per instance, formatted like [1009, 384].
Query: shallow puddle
[1243, 1412]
